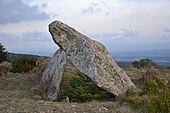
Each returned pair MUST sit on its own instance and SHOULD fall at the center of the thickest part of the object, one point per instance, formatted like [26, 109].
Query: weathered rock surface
[91, 58]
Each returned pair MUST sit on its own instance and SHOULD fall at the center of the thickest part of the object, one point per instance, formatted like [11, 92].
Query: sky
[121, 25]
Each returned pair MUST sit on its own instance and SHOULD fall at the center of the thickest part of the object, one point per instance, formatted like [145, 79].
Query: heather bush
[155, 95]
[23, 64]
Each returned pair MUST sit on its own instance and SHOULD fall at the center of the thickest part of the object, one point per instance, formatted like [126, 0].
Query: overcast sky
[121, 25]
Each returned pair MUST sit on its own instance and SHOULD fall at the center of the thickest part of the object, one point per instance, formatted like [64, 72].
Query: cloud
[14, 11]
[146, 1]
[9, 38]
[107, 14]
[128, 33]
[36, 42]
[92, 8]
[166, 29]
[99, 7]
[105, 35]
[114, 35]
[44, 5]
[141, 21]
[35, 36]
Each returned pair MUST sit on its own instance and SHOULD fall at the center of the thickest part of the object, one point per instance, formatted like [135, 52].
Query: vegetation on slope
[24, 64]
[76, 87]
[155, 94]
[153, 98]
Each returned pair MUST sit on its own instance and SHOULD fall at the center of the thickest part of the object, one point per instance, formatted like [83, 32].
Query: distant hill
[161, 57]
[123, 59]
[124, 64]
[14, 56]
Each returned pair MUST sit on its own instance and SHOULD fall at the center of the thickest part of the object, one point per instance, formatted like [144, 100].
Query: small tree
[3, 53]
[144, 63]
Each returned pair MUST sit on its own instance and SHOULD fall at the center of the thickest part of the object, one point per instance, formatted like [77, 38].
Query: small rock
[103, 109]
[37, 97]
[73, 106]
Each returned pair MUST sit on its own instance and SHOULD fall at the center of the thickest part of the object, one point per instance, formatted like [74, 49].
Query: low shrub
[136, 103]
[155, 95]
[144, 63]
[23, 64]
[80, 89]
[160, 103]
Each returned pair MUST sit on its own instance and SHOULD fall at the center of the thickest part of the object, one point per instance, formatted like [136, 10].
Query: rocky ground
[16, 97]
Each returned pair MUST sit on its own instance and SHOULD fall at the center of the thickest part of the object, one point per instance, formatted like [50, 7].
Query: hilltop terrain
[17, 97]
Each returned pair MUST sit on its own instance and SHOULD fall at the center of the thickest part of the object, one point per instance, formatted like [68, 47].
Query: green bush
[23, 64]
[153, 82]
[80, 89]
[160, 104]
[136, 103]
[155, 96]
[144, 63]
[150, 87]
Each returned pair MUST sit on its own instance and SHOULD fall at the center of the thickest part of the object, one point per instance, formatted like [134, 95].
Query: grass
[17, 85]
[155, 95]
[16, 97]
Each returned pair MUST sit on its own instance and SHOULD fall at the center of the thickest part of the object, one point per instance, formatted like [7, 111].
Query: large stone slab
[90, 57]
